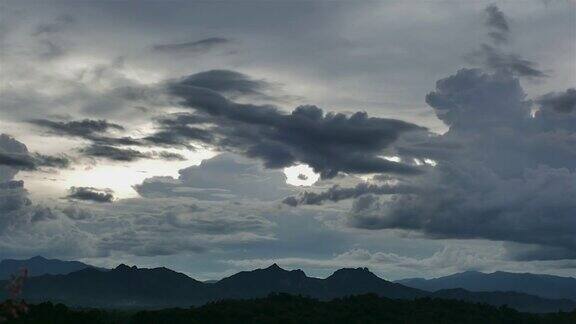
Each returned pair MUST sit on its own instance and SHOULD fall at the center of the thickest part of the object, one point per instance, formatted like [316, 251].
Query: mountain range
[545, 286]
[133, 287]
[38, 266]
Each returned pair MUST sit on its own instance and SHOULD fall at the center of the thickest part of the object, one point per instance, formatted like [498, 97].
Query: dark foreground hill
[282, 308]
[545, 286]
[136, 288]
[38, 265]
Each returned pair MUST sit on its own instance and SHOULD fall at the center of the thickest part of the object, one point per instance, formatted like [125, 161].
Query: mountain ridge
[39, 265]
[132, 287]
[542, 285]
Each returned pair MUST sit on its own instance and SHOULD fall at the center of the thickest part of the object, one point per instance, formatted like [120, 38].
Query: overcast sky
[415, 138]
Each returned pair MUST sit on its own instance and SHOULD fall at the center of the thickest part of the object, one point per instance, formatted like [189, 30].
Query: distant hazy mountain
[160, 287]
[519, 301]
[546, 286]
[39, 266]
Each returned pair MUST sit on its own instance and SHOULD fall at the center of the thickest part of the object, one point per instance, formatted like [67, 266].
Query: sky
[417, 139]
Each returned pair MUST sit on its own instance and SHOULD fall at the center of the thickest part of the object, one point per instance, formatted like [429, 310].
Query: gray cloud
[94, 131]
[170, 156]
[33, 161]
[369, 59]
[82, 128]
[511, 178]
[55, 26]
[329, 143]
[337, 193]
[496, 21]
[107, 146]
[9, 146]
[16, 208]
[15, 155]
[473, 99]
[223, 177]
[195, 47]
[495, 59]
[91, 194]
[19, 161]
[114, 153]
[91, 130]
[175, 130]
[226, 82]
[564, 102]
[62, 161]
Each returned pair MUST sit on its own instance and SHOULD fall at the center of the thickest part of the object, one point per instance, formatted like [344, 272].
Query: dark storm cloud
[337, 193]
[177, 133]
[529, 252]
[14, 156]
[328, 142]
[88, 129]
[102, 145]
[512, 178]
[18, 161]
[500, 172]
[106, 146]
[114, 153]
[474, 99]
[496, 21]
[200, 46]
[126, 154]
[82, 128]
[564, 102]
[463, 203]
[91, 194]
[33, 161]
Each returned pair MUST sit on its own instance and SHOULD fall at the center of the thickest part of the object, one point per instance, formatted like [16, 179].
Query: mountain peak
[353, 273]
[39, 265]
[123, 267]
[274, 267]
[468, 273]
[363, 270]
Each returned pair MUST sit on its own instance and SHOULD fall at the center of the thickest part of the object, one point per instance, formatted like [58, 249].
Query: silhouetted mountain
[123, 286]
[360, 281]
[261, 282]
[545, 286]
[127, 286]
[39, 266]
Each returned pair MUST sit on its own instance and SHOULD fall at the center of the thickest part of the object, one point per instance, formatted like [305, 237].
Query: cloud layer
[328, 142]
